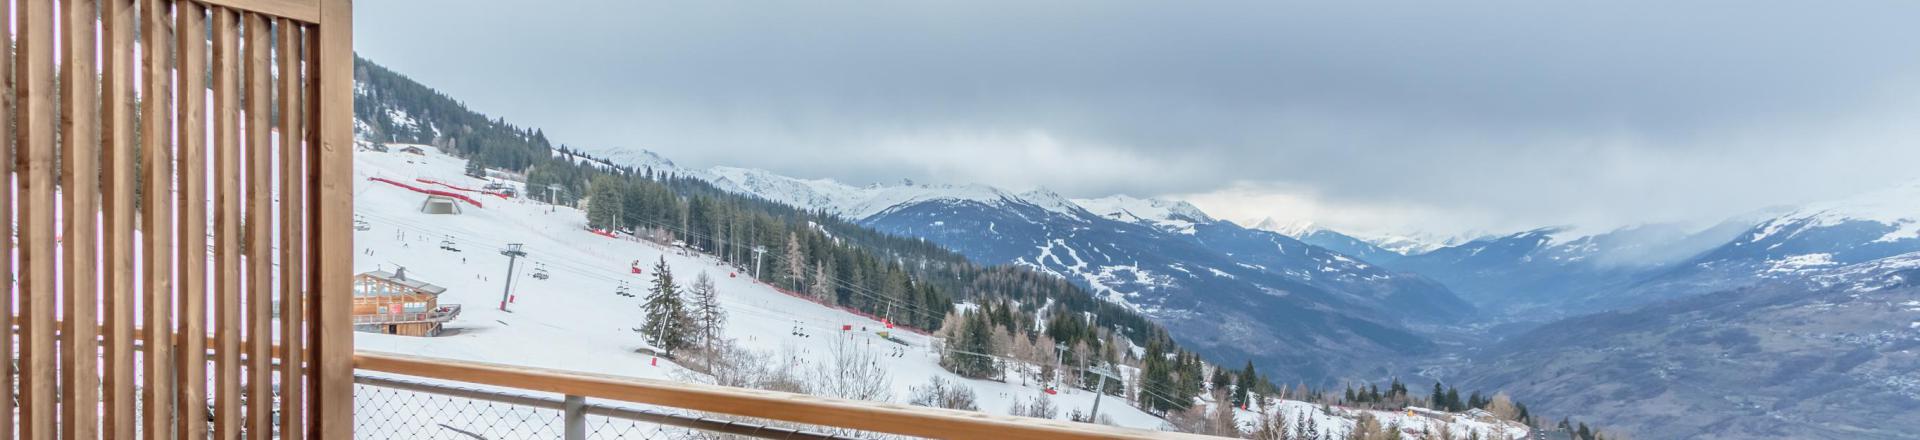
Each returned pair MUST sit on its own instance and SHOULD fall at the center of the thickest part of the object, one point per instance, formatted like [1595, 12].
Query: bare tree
[1190, 420]
[796, 262]
[1041, 407]
[1367, 428]
[822, 283]
[940, 393]
[1271, 426]
[708, 317]
[1502, 406]
[1221, 421]
[854, 372]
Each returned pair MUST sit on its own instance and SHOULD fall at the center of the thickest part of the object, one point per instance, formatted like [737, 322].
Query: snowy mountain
[1820, 353]
[1171, 216]
[1417, 243]
[1219, 288]
[1313, 234]
[1551, 272]
[1375, 247]
[1814, 237]
[580, 310]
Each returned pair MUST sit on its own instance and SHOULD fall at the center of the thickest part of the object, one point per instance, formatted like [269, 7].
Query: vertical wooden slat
[79, 183]
[156, 230]
[331, 235]
[292, 293]
[308, 176]
[7, 369]
[190, 28]
[259, 223]
[33, 64]
[117, 132]
[226, 151]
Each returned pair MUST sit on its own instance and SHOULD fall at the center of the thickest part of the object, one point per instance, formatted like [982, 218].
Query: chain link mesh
[382, 412]
[388, 413]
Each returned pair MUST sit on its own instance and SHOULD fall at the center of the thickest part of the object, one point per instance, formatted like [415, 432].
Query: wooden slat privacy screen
[181, 263]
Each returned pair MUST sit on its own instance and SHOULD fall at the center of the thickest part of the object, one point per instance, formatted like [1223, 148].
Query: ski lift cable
[910, 309]
[1142, 388]
[840, 282]
[462, 238]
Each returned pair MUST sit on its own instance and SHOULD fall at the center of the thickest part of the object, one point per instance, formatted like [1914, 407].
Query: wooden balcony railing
[188, 191]
[443, 313]
[835, 414]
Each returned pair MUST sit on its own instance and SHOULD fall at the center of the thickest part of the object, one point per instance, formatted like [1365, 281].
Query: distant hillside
[1306, 312]
[1831, 353]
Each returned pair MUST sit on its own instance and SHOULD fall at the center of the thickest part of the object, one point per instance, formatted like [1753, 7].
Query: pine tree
[1439, 399]
[667, 318]
[604, 210]
[1245, 385]
[967, 349]
[708, 317]
[475, 169]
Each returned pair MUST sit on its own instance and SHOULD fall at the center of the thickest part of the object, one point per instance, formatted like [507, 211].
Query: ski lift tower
[757, 250]
[513, 253]
[1104, 373]
[1059, 364]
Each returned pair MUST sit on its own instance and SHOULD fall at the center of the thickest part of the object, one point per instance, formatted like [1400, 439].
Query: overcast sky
[1367, 116]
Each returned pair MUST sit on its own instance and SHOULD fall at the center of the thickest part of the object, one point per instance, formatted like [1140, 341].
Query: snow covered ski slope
[574, 320]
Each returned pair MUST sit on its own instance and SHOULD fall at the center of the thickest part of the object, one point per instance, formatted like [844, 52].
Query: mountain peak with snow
[1897, 206]
[637, 158]
[1046, 198]
[1167, 214]
[1295, 229]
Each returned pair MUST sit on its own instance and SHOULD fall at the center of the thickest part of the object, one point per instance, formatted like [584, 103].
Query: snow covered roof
[401, 279]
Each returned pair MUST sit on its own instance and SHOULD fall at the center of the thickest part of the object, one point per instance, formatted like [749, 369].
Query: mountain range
[1649, 315]
[1219, 288]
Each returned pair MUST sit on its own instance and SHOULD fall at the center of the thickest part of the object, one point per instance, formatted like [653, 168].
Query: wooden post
[332, 233]
[156, 226]
[79, 182]
[116, 110]
[33, 86]
[190, 20]
[226, 224]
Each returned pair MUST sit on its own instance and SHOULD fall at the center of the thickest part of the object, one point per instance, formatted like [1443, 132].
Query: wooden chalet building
[391, 303]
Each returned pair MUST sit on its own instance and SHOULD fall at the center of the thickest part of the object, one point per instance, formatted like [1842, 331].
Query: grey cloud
[1505, 114]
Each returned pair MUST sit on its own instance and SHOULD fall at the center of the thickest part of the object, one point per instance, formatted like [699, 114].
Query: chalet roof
[416, 285]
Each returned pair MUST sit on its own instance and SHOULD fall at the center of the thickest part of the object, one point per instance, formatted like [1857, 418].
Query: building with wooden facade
[391, 303]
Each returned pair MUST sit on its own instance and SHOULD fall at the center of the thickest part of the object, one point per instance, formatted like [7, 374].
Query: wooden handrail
[140, 337]
[889, 418]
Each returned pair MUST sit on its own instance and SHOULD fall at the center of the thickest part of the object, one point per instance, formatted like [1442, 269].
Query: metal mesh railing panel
[401, 409]
[388, 413]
